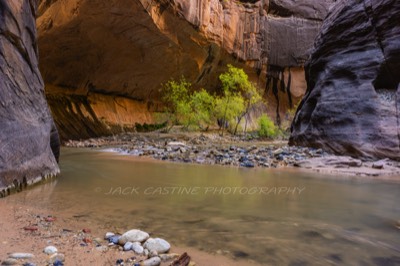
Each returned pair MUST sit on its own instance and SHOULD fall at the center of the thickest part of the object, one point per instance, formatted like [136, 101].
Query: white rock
[108, 235]
[155, 261]
[176, 143]
[128, 246]
[137, 248]
[50, 250]
[21, 255]
[133, 236]
[157, 244]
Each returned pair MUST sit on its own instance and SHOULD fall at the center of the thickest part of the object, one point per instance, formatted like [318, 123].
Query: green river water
[274, 217]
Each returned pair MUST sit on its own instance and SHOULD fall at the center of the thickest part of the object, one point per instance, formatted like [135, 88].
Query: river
[274, 217]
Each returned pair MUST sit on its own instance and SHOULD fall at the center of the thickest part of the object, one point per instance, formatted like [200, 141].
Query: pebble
[137, 248]
[133, 235]
[114, 239]
[50, 250]
[102, 248]
[247, 164]
[378, 165]
[167, 257]
[58, 263]
[56, 257]
[20, 255]
[153, 253]
[97, 241]
[277, 151]
[155, 261]
[108, 235]
[29, 264]
[9, 261]
[128, 246]
[157, 244]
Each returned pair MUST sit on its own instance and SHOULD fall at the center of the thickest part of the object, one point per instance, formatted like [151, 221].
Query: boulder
[352, 101]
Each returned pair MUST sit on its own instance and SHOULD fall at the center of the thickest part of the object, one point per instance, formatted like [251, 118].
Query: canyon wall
[127, 48]
[29, 144]
[353, 97]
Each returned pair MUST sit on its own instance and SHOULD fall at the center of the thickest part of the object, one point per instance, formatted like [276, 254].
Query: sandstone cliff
[353, 96]
[27, 132]
[129, 47]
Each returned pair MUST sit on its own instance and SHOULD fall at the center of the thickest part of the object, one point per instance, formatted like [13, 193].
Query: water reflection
[329, 221]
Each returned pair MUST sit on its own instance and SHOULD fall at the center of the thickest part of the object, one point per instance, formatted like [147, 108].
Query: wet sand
[67, 236]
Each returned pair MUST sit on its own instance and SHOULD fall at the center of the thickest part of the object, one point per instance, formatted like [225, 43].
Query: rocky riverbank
[33, 237]
[238, 152]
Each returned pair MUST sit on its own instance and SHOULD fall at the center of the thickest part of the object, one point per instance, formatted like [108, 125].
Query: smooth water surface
[269, 216]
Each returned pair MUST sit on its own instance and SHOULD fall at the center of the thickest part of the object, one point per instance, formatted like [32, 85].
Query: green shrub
[188, 108]
[267, 127]
[149, 127]
[202, 107]
[239, 97]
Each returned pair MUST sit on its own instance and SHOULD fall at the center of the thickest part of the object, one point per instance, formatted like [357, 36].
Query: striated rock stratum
[92, 51]
[353, 97]
[27, 131]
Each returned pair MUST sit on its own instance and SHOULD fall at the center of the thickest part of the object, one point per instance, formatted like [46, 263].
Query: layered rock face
[129, 47]
[353, 97]
[27, 132]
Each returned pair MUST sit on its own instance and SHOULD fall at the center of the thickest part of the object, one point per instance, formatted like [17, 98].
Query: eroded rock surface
[129, 47]
[353, 97]
[25, 122]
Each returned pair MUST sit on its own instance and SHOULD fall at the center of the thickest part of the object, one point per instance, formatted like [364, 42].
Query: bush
[239, 97]
[267, 127]
[202, 107]
[149, 127]
[188, 108]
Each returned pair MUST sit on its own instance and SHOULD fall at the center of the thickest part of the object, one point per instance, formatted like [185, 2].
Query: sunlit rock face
[27, 132]
[353, 98]
[129, 47]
